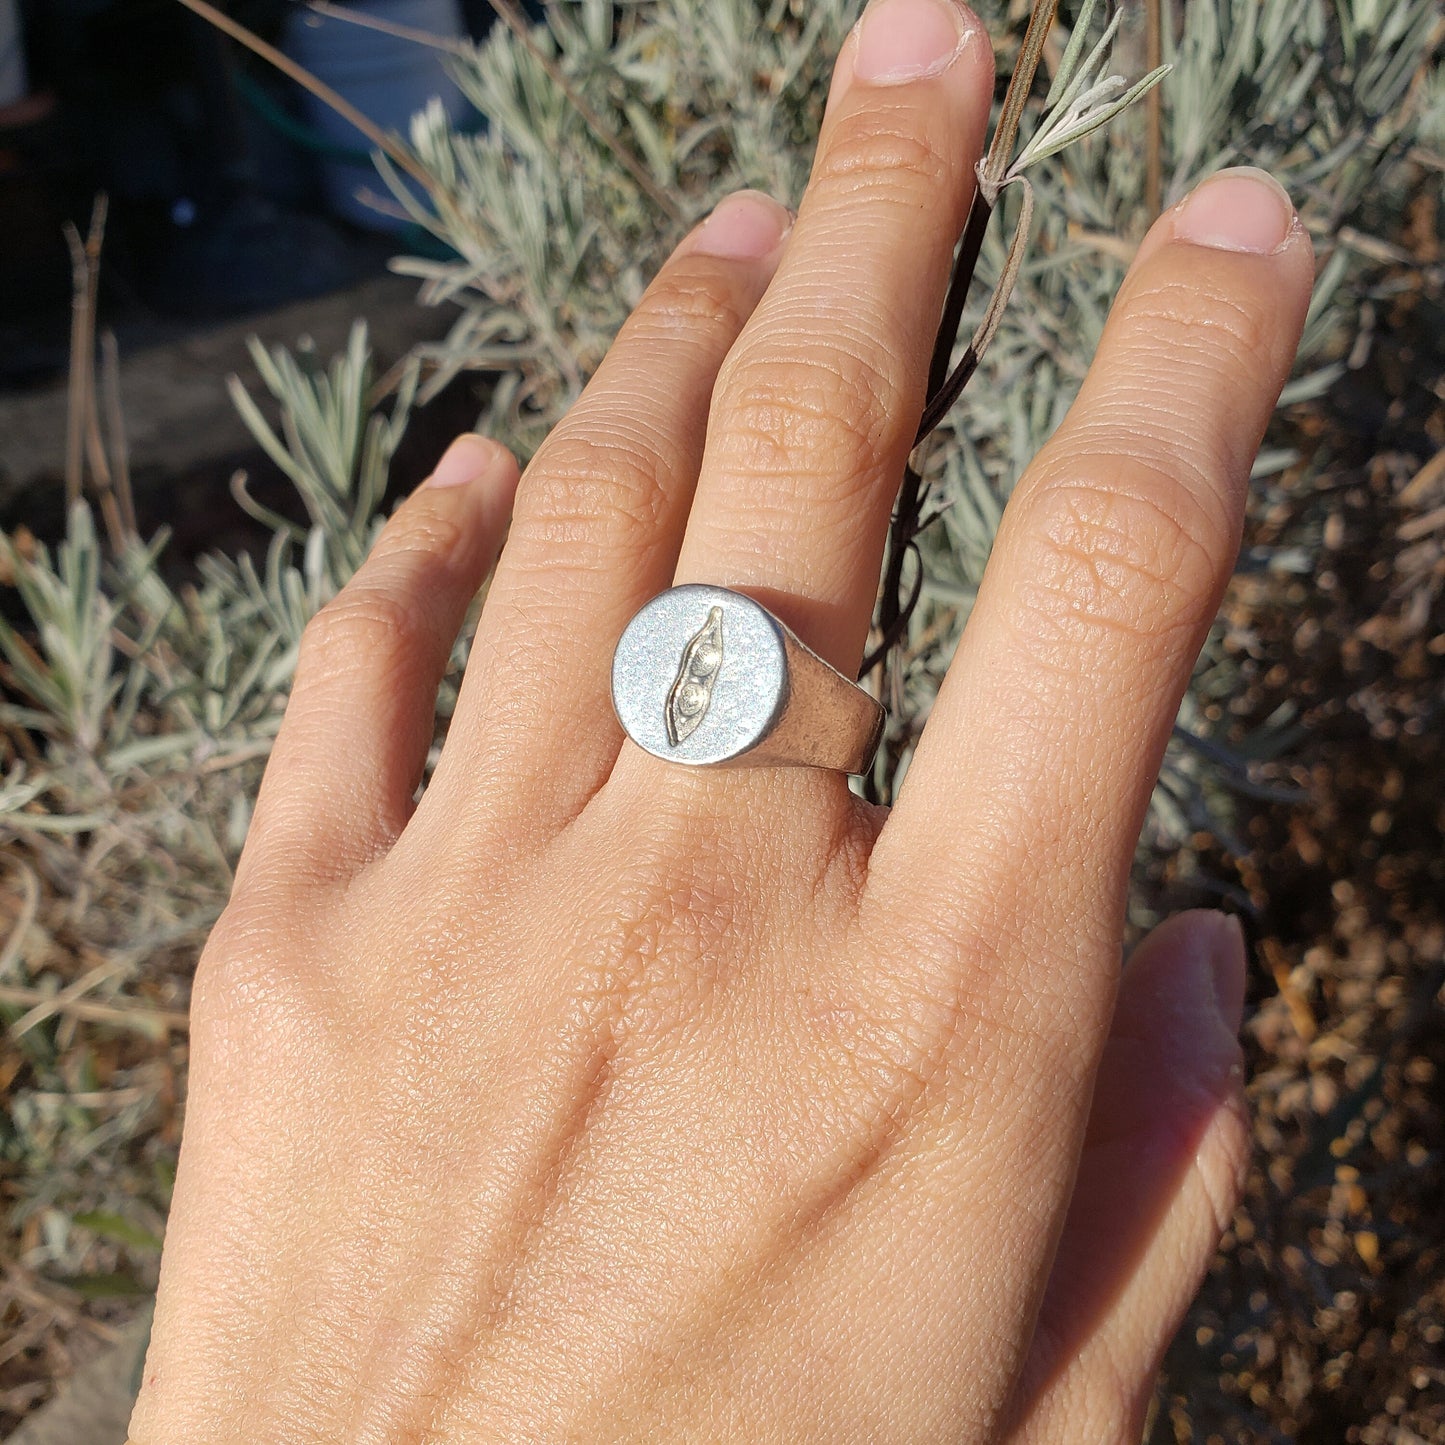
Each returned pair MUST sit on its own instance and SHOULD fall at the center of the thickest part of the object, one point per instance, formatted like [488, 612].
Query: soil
[1323, 1317]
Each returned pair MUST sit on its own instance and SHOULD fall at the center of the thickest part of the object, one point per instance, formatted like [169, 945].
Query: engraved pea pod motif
[691, 692]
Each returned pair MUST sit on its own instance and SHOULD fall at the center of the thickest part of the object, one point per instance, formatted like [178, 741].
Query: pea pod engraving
[691, 691]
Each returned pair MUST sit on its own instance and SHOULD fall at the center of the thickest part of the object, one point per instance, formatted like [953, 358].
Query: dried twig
[130, 1015]
[1421, 526]
[124, 494]
[1300, 1013]
[25, 921]
[25, 1287]
[49, 1004]
[95, 1098]
[1005, 135]
[85, 441]
[387, 145]
[1153, 115]
[387, 27]
[85, 275]
[1427, 480]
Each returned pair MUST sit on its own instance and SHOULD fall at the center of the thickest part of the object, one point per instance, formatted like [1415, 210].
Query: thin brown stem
[897, 597]
[119, 442]
[100, 469]
[388, 145]
[1001, 149]
[126, 1014]
[84, 422]
[1154, 114]
[75, 401]
[84, 442]
[894, 603]
[387, 27]
[82, 347]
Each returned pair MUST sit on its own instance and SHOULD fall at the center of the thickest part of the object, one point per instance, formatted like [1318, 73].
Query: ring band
[708, 677]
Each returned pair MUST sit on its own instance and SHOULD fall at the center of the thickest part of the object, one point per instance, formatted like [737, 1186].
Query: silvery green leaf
[1090, 119]
[1087, 72]
[1272, 460]
[1063, 77]
[1312, 385]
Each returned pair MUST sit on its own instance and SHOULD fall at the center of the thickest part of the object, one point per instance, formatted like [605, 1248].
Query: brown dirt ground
[1323, 1317]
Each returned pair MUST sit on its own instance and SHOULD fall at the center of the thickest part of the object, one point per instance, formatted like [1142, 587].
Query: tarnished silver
[691, 694]
[709, 677]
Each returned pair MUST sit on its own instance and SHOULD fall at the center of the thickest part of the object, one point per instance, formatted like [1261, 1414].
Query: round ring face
[700, 675]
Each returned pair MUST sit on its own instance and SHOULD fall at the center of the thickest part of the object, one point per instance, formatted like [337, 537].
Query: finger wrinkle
[598, 493]
[1175, 312]
[847, 406]
[690, 312]
[865, 334]
[1114, 559]
[888, 145]
[1207, 388]
[1129, 480]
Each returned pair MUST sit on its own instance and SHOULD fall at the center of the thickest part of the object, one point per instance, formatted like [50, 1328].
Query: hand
[594, 1098]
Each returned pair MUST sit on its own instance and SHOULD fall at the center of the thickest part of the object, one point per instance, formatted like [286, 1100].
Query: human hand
[594, 1098]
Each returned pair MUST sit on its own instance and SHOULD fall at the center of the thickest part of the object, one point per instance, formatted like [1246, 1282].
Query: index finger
[1030, 783]
[995, 898]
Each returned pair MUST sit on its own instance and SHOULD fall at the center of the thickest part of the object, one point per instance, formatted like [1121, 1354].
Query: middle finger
[815, 409]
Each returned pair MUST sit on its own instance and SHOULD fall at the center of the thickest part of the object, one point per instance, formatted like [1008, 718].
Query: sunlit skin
[598, 1098]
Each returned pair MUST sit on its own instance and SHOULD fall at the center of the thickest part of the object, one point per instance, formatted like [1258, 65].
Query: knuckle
[247, 970]
[826, 414]
[658, 974]
[593, 490]
[363, 623]
[1129, 552]
[1202, 320]
[418, 534]
[688, 301]
[882, 152]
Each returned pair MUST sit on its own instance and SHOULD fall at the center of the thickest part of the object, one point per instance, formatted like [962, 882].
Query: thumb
[1158, 1181]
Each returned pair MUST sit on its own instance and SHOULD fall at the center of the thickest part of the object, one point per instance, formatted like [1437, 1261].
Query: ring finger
[595, 531]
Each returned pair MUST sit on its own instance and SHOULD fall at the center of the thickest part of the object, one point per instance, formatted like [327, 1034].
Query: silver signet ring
[707, 676]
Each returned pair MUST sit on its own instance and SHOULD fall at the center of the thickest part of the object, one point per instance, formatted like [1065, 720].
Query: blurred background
[228, 341]
[233, 194]
[231, 188]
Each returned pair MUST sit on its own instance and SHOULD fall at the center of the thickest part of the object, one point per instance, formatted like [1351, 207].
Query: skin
[593, 1098]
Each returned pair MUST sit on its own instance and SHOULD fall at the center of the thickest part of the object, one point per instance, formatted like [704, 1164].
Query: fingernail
[1196, 974]
[1243, 209]
[901, 40]
[1227, 967]
[746, 226]
[1205, 987]
[467, 460]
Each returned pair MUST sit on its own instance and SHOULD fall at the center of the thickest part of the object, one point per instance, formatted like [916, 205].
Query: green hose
[417, 239]
[282, 121]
